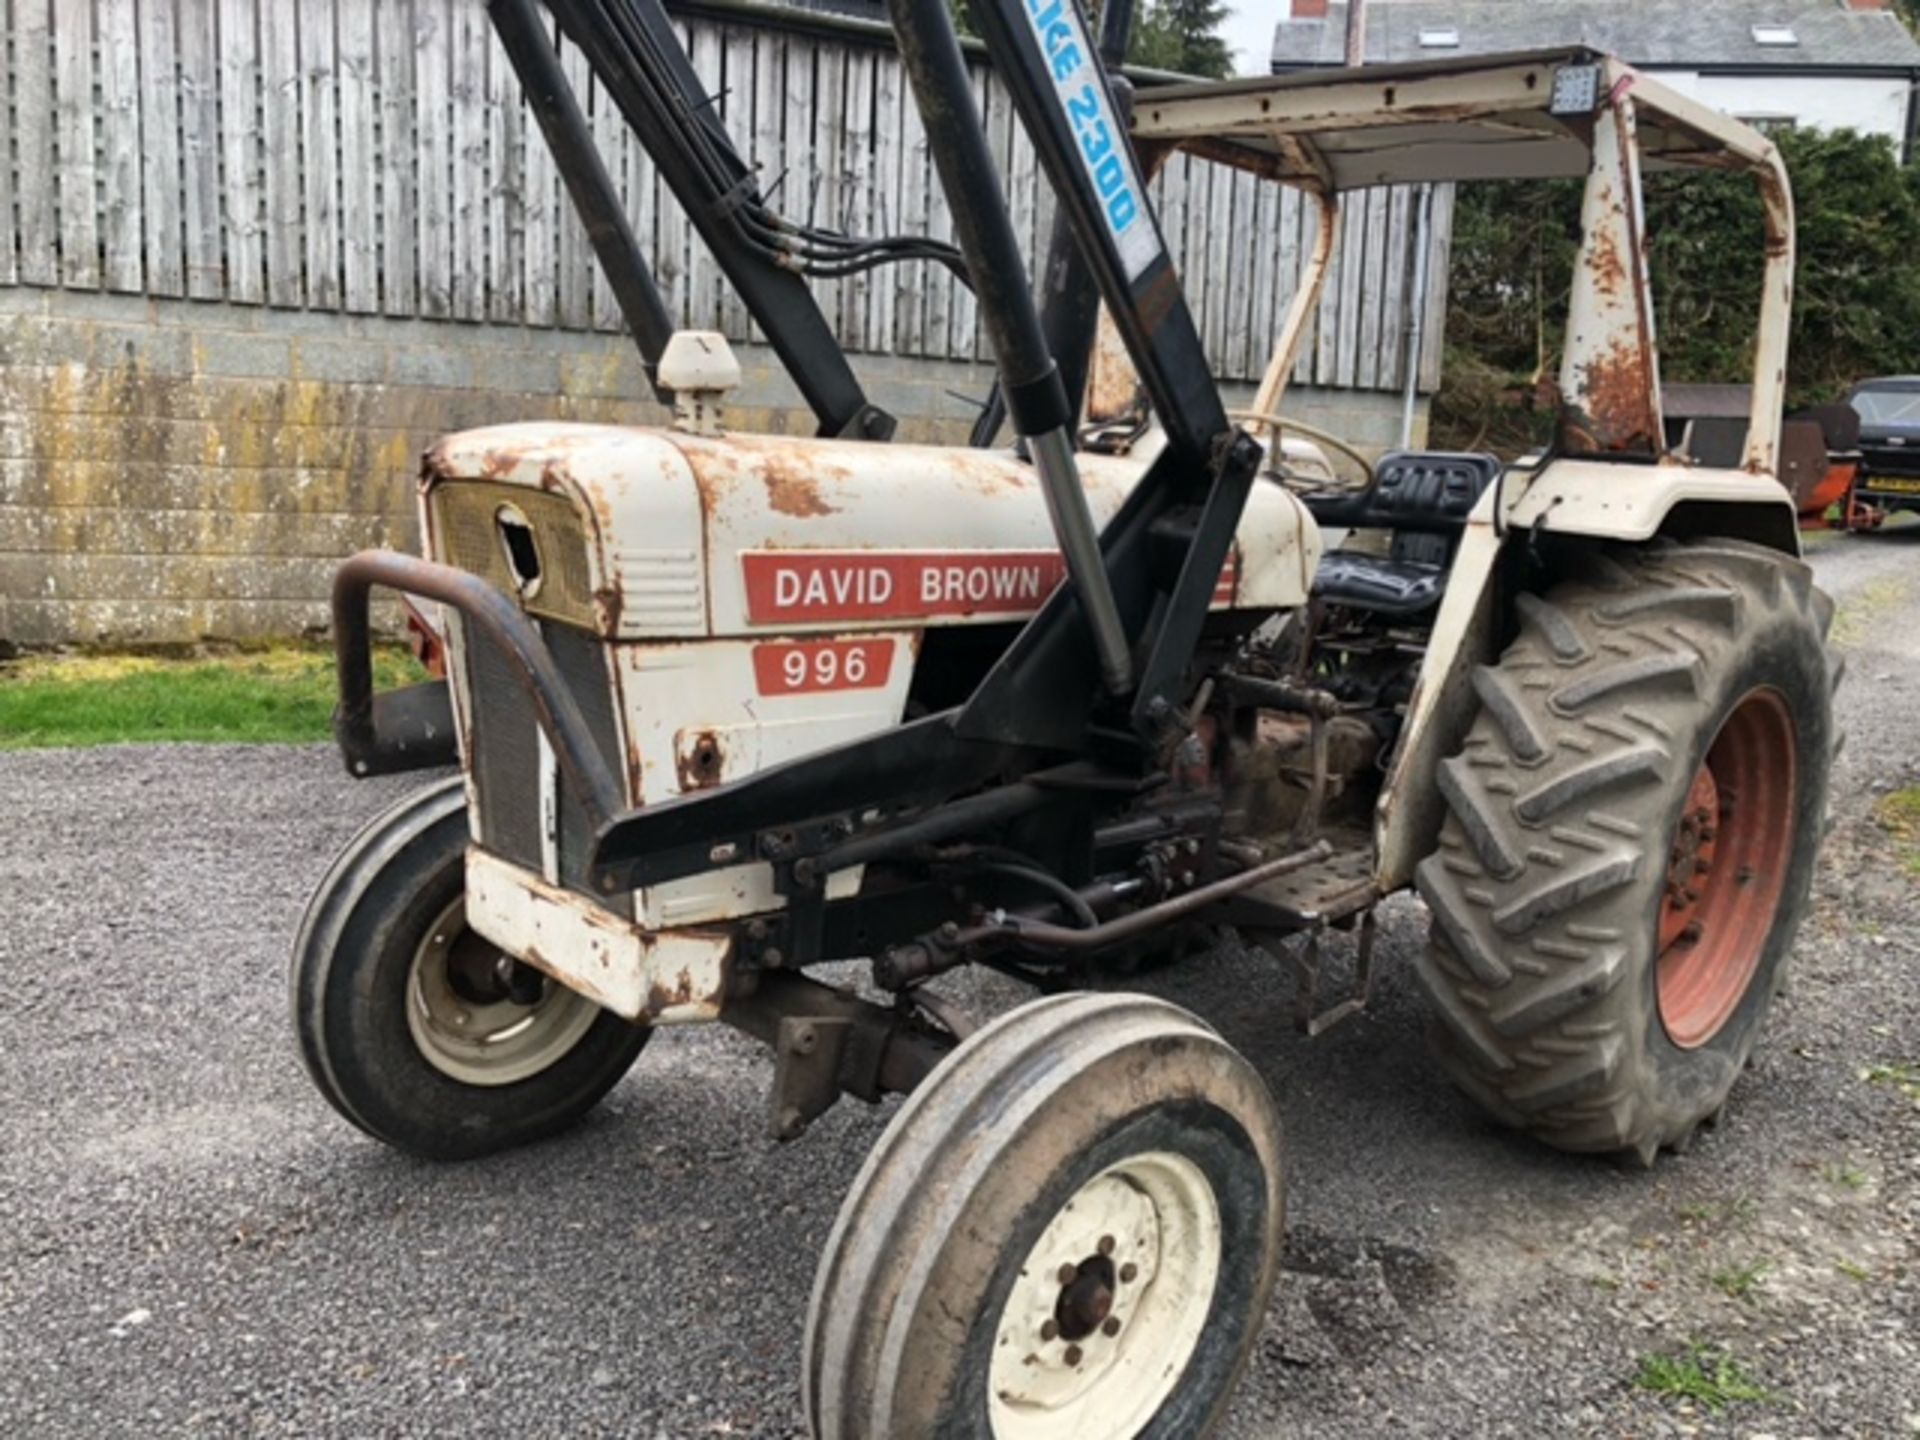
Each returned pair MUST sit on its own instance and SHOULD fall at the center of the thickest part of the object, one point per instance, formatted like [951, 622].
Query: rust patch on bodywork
[699, 758]
[1613, 410]
[988, 472]
[1113, 387]
[636, 770]
[793, 478]
[1609, 269]
[792, 494]
[572, 979]
[663, 997]
[608, 602]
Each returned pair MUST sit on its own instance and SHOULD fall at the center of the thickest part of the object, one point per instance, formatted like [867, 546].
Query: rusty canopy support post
[1776, 319]
[1356, 33]
[1610, 374]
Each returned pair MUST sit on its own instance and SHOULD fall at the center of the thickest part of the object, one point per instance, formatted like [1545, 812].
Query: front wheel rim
[1727, 869]
[477, 1032]
[1109, 1305]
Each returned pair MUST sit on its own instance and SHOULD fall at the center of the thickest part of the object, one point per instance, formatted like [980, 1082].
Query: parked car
[1889, 411]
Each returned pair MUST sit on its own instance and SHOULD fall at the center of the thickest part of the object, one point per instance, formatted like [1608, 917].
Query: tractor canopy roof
[1534, 115]
[1487, 117]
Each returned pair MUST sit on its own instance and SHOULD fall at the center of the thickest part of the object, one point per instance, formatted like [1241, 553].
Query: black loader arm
[1188, 505]
[1102, 666]
[637, 60]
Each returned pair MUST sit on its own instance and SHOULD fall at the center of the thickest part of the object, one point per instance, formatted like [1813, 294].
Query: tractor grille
[467, 516]
[503, 742]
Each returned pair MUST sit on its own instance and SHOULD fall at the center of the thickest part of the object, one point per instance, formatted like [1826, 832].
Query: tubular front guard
[656, 976]
[412, 728]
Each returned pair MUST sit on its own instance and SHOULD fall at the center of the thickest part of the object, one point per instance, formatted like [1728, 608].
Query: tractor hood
[649, 532]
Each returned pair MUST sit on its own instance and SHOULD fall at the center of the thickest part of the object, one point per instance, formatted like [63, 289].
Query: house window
[1439, 37]
[1774, 35]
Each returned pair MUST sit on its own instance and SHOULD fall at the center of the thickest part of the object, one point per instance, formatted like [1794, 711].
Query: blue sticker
[1104, 152]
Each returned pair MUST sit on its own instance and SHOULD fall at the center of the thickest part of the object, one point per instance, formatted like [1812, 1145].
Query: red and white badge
[811, 586]
[803, 667]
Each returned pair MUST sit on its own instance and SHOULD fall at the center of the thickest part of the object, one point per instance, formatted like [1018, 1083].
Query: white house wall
[1870, 104]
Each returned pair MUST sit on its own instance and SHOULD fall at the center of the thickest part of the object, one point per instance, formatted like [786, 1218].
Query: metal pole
[1036, 399]
[1356, 32]
[1070, 308]
[528, 41]
[1417, 311]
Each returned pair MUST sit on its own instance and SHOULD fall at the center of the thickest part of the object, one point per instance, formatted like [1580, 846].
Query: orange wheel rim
[1726, 869]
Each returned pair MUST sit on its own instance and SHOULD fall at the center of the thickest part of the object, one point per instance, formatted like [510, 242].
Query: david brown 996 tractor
[727, 707]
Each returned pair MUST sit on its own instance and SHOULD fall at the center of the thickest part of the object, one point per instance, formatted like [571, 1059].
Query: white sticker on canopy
[1102, 145]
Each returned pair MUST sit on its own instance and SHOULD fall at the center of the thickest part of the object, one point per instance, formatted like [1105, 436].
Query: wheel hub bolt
[1127, 1272]
[1106, 1244]
[1049, 1329]
[1068, 1274]
[1112, 1327]
[1073, 1355]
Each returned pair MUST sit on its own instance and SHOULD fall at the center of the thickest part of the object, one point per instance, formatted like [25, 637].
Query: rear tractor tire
[415, 1027]
[1629, 843]
[1070, 1230]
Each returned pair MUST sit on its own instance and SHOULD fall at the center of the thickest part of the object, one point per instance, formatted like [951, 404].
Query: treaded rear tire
[1547, 889]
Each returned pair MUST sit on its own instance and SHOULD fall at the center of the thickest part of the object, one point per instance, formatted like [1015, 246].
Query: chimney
[1308, 10]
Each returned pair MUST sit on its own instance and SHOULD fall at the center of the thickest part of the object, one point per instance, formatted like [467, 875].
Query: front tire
[418, 1030]
[1630, 840]
[1071, 1229]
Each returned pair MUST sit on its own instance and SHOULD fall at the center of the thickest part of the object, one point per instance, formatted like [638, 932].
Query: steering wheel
[1276, 425]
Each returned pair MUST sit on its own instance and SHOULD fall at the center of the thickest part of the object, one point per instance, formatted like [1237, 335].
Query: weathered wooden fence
[374, 157]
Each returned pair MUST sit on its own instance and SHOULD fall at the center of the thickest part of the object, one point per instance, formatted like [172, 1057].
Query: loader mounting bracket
[827, 1043]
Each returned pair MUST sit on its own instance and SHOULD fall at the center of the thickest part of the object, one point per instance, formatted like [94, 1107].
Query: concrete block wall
[172, 471]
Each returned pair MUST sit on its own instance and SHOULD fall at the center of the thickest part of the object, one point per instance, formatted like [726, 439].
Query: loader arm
[1104, 664]
[638, 61]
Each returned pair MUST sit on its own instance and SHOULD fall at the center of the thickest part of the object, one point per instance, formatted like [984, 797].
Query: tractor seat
[1423, 498]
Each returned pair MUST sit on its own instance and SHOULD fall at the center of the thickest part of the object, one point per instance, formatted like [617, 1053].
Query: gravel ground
[190, 1240]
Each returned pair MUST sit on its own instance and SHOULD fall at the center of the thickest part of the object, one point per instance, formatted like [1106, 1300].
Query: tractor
[727, 708]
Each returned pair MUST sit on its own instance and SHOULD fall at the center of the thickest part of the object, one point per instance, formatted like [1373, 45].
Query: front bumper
[652, 976]
[1889, 492]
[412, 729]
[660, 977]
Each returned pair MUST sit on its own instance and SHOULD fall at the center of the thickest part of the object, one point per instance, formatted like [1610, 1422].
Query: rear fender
[1605, 500]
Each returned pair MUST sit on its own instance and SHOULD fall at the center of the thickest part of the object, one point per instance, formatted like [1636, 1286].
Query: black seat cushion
[1377, 583]
[1424, 490]
[1424, 498]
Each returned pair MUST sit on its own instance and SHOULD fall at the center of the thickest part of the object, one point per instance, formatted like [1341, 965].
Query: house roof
[1681, 33]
